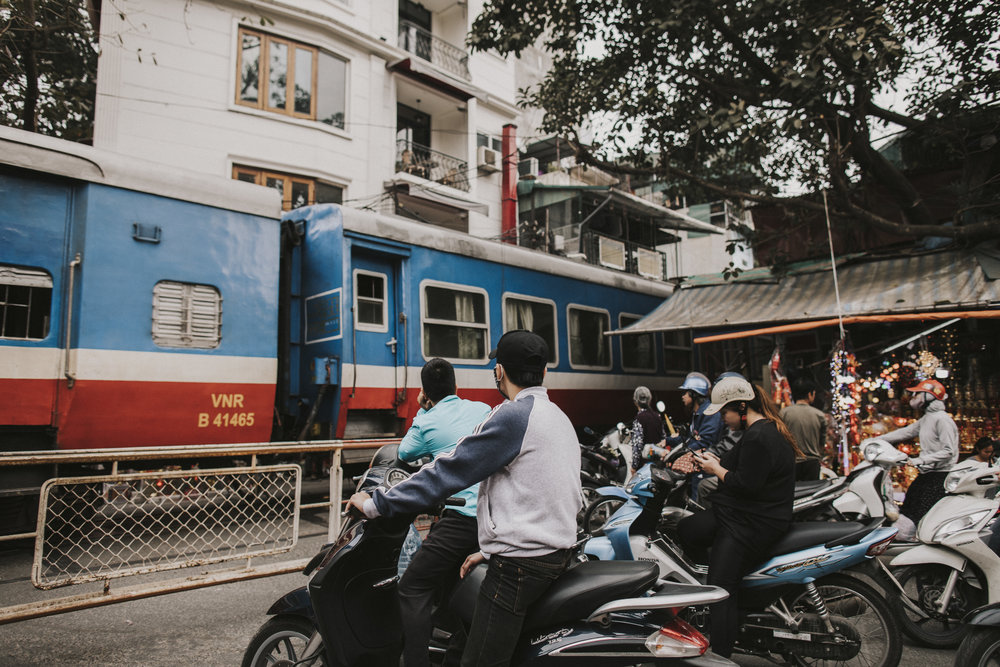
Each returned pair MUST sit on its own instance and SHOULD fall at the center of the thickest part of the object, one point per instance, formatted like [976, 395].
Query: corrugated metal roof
[916, 283]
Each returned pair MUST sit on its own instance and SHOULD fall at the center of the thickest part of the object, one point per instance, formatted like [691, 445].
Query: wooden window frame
[264, 75]
[260, 177]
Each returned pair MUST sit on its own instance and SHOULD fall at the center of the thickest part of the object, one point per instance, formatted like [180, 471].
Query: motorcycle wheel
[279, 643]
[979, 648]
[857, 604]
[598, 512]
[923, 585]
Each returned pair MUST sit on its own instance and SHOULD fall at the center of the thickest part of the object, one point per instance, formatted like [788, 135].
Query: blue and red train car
[143, 306]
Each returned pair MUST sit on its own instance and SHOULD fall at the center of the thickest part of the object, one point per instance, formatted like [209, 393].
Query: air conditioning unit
[528, 168]
[487, 159]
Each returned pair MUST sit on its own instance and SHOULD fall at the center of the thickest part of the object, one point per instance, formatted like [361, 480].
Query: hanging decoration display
[782, 392]
[846, 401]
[927, 365]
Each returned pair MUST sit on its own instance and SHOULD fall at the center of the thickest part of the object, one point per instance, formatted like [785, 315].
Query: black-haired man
[526, 455]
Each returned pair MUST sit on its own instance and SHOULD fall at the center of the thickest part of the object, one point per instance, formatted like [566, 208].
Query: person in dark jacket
[752, 508]
[647, 428]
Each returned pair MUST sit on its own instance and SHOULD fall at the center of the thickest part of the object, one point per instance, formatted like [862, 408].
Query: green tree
[740, 98]
[48, 66]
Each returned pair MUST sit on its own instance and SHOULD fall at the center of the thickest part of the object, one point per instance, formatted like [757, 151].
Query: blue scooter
[802, 603]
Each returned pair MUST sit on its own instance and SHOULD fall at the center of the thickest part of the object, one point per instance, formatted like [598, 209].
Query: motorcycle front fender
[296, 603]
[614, 492]
[925, 554]
[986, 616]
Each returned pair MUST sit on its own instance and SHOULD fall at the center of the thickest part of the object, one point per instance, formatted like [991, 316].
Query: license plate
[801, 636]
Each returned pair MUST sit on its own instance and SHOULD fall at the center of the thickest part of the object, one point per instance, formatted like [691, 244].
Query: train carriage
[145, 306]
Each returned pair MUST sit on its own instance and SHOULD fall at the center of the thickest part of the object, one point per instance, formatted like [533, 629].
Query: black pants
[509, 589]
[737, 544]
[433, 570]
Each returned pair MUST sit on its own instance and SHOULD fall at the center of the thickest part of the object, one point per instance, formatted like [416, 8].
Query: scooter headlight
[964, 522]
[872, 450]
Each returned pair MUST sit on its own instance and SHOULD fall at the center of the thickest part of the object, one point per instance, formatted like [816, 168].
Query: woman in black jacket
[752, 508]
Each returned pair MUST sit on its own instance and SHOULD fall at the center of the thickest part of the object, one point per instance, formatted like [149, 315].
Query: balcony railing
[435, 166]
[424, 45]
[597, 249]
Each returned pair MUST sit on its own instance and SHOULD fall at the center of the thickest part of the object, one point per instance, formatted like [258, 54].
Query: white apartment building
[373, 103]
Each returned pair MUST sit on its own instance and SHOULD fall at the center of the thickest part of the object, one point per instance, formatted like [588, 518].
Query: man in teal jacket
[443, 419]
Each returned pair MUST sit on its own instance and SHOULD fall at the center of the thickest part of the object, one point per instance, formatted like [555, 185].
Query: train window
[25, 303]
[533, 314]
[186, 315]
[370, 303]
[588, 346]
[455, 324]
[638, 350]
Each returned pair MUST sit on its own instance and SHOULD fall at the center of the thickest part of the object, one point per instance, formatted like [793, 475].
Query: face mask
[496, 378]
[918, 401]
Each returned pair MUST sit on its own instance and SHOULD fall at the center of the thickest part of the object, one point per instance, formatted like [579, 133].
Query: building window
[370, 303]
[677, 351]
[294, 79]
[454, 322]
[638, 350]
[588, 346]
[489, 141]
[25, 303]
[538, 315]
[186, 315]
[295, 191]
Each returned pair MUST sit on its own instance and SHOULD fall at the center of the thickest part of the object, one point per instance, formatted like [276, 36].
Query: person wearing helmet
[706, 429]
[938, 436]
[647, 428]
[752, 508]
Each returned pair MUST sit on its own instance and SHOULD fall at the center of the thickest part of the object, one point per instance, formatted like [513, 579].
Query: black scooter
[597, 613]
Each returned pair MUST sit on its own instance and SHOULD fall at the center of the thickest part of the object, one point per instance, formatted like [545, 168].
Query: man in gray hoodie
[526, 456]
[938, 436]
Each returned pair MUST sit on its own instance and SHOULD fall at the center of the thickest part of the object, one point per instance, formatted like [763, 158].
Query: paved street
[208, 627]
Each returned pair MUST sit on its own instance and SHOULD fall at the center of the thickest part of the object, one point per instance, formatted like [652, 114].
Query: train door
[380, 345]
[33, 270]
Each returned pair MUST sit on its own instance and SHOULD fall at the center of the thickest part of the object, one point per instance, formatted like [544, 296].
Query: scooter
[595, 613]
[952, 570]
[865, 493]
[801, 602]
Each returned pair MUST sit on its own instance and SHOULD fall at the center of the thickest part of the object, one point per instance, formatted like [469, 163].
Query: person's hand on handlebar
[356, 505]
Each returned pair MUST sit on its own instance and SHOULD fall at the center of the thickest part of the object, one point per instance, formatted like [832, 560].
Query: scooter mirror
[661, 406]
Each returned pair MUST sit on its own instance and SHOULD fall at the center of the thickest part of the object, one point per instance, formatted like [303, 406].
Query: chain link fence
[97, 528]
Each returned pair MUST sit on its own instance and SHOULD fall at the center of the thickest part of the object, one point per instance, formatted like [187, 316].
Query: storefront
[904, 317]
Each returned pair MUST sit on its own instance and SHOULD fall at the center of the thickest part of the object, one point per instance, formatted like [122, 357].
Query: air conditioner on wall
[487, 159]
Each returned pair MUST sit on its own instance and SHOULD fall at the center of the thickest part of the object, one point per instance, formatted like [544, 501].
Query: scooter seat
[805, 534]
[803, 489]
[582, 589]
[577, 592]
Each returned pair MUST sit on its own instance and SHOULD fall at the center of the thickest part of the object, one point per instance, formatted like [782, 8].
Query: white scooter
[865, 493]
[952, 571]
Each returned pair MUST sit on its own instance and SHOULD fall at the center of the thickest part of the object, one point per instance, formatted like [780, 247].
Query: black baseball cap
[522, 350]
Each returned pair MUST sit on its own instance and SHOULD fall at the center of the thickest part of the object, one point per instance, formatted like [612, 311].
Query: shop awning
[434, 192]
[951, 281]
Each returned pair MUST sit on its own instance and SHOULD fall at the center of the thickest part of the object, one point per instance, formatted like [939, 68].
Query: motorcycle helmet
[696, 383]
[729, 374]
[932, 387]
[729, 390]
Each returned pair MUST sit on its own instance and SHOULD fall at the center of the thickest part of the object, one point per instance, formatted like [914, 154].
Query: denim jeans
[510, 587]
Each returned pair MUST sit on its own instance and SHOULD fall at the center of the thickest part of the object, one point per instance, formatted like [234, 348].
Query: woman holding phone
[752, 508]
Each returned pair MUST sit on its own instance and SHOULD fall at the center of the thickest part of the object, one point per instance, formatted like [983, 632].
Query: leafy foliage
[48, 67]
[741, 98]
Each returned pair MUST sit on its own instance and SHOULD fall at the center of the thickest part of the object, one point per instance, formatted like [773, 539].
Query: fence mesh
[96, 528]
